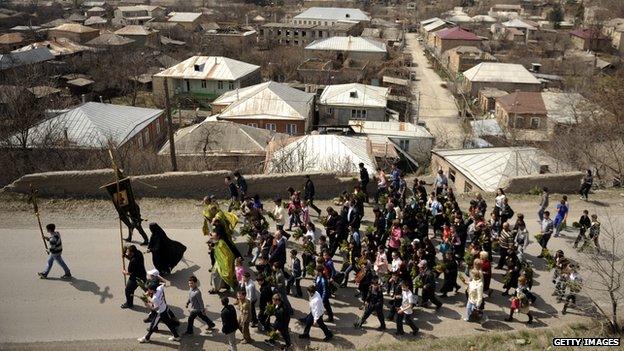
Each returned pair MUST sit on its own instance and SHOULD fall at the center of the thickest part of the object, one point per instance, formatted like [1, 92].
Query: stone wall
[176, 184]
[562, 183]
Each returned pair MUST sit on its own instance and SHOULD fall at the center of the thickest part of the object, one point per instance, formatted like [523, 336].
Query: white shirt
[500, 201]
[280, 214]
[396, 264]
[158, 300]
[407, 302]
[250, 289]
[316, 306]
[475, 292]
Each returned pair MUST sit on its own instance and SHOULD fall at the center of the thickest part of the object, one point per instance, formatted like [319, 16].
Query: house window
[220, 85]
[270, 126]
[291, 129]
[467, 188]
[296, 42]
[535, 122]
[303, 33]
[203, 84]
[255, 125]
[358, 114]
[519, 123]
[147, 135]
[330, 111]
[158, 127]
[404, 144]
[452, 175]
[140, 141]
[231, 85]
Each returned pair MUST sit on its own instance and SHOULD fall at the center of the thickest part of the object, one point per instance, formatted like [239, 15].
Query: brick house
[449, 38]
[589, 39]
[74, 31]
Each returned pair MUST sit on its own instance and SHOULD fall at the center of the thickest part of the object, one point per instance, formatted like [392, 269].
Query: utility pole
[174, 163]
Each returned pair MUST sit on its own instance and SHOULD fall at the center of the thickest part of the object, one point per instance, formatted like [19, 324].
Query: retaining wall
[176, 184]
[562, 183]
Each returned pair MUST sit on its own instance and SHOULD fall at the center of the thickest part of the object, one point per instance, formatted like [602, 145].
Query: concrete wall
[341, 115]
[176, 184]
[562, 183]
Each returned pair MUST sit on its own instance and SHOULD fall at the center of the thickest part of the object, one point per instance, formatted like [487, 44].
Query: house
[60, 47]
[458, 16]
[536, 117]
[319, 71]
[329, 16]
[76, 17]
[188, 20]
[506, 11]
[96, 21]
[487, 98]
[429, 30]
[423, 23]
[138, 14]
[74, 32]
[357, 48]
[11, 41]
[93, 125]
[511, 168]
[320, 153]
[96, 11]
[462, 58]
[341, 103]
[449, 38]
[299, 34]
[413, 139]
[270, 105]
[140, 34]
[503, 76]
[111, 40]
[589, 39]
[23, 58]
[522, 25]
[614, 29]
[223, 145]
[233, 35]
[205, 78]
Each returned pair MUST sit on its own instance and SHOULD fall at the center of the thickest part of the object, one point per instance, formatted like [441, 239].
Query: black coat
[136, 267]
[282, 318]
[166, 253]
[308, 190]
[228, 319]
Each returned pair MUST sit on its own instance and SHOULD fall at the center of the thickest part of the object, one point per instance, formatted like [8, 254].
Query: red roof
[456, 33]
[587, 33]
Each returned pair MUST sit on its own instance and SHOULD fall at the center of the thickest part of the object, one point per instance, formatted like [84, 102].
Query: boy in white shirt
[404, 313]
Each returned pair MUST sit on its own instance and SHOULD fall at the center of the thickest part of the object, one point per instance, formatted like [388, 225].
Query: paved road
[85, 313]
[437, 105]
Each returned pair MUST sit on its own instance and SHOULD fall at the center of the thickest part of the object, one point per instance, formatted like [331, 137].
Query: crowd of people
[418, 236]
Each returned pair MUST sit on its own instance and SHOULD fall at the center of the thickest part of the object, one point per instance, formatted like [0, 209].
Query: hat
[153, 272]
[422, 263]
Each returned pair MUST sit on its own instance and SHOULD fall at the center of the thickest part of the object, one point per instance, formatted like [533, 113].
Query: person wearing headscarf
[166, 253]
[225, 253]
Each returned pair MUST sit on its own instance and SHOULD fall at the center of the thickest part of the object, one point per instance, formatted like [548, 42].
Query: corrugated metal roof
[58, 47]
[133, 29]
[16, 59]
[11, 38]
[483, 18]
[95, 20]
[488, 168]
[221, 137]
[92, 124]
[354, 94]
[322, 153]
[518, 23]
[267, 100]
[359, 44]
[210, 68]
[486, 127]
[435, 25]
[429, 20]
[184, 16]
[565, 108]
[333, 14]
[500, 72]
[110, 39]
[74, 28]
[391, 128]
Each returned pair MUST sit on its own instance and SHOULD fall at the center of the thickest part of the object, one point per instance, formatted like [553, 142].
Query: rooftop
[518, 23]
[391, 128]
[359, 44]
[74, 28]
[20, 58]
[184, 17]
[209, 67]
[58, 47]
[500, 72]
[354, 94]
[95, 20]
[134, 30]
[11, 38]
[333, 14]
[92, 125]
[110, 39]
[522, 102]
[587, 33]
[456, 33]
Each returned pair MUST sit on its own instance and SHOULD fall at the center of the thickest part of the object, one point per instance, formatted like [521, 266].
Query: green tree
[556, 16]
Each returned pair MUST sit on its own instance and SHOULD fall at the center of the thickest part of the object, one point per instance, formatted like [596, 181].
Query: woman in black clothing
[135, 272]
[166, 253]
[586, 185]
[450, 274]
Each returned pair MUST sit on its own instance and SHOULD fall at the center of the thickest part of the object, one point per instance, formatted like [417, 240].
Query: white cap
[153, 272]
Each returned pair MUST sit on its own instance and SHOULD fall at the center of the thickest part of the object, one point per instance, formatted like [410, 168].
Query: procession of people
[419, 237]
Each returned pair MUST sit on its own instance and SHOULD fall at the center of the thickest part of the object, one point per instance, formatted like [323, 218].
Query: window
[270, 126]
[203, 84]
[220, 85]
[255, 125]
[519, 122]
[291, 129]
[535, 122]
[303, 33]
[296, 32]
[231, 85]
[296, 42]
[158, 127]
[140, 140]
[147, 135]
[358, 114]
[330, 111]
[404, 144]
[467, 188]
[452, 175]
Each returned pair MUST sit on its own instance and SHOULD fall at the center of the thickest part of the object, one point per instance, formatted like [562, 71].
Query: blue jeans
[57, 258]
[469, 308]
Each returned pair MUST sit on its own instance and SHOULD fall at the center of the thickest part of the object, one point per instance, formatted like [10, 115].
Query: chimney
[65, 135]
[84, 98]
[101, 99]
[536, 67]
[246, 19]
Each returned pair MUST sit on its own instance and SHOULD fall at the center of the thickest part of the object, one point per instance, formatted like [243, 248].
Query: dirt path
[47, 314]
